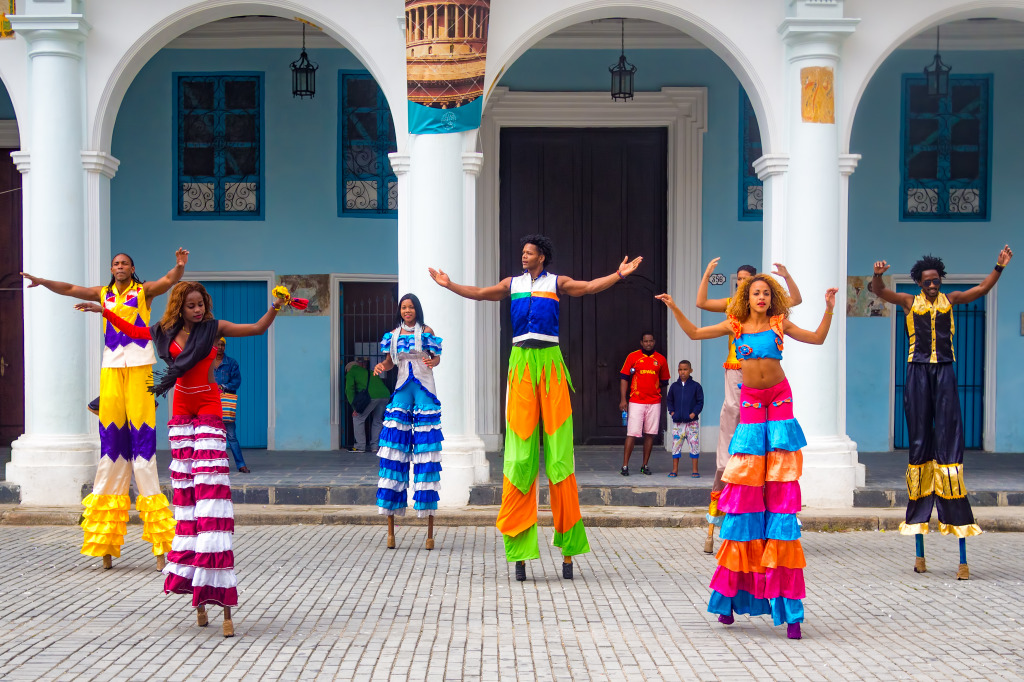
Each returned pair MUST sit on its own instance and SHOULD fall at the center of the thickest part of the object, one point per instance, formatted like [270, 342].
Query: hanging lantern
[937, 73]
[622, 73]
[304, 73]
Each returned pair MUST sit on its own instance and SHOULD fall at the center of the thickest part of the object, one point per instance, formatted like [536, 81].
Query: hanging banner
[445, 56]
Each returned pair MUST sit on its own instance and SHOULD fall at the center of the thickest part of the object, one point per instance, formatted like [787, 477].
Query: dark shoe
[793, 631]
[567, 570]
[244, 470]
[646, 471]
[726, 620]
[520, 571]
[625, 471]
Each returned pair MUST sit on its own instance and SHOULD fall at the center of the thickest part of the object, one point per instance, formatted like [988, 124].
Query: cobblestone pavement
[330, 602]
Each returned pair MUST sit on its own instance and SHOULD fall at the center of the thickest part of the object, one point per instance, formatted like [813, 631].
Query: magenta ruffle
[212, 492]
[784, 582]
[210, 524]
[727, 583]
[741, 499]
[781, 497]
[183, 497]
[222, 596]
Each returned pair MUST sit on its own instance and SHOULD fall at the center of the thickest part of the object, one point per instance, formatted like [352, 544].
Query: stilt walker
[935, 472]
[538, 405]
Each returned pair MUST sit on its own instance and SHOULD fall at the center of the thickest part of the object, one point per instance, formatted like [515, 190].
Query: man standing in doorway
[368, 396]
[643, 376]
[538, 392]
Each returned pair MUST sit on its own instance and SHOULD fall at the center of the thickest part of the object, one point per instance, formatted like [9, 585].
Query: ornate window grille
[751, 189]
[946, 150]
[219, 146]
[367, 185]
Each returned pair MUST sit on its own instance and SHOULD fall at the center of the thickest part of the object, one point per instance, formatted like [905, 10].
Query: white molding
[269, 277]
[100, 162]
[771, 164]
[336, 279]
[847, 165]
[23, 162]
[683, 112]
[9, 136]
[988, 435]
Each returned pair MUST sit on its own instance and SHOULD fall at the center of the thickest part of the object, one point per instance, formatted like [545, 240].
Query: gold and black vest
[930, 328]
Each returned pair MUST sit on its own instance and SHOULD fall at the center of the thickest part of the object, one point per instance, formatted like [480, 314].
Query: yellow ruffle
[146, 503]
[91, 528]
[99, 549]
[107, 502]
[101, 516]
[158, 522]
[960, 531]
[913, 528]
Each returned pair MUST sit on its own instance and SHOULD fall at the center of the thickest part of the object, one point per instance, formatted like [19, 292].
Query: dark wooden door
[12, 334]
[598, 194]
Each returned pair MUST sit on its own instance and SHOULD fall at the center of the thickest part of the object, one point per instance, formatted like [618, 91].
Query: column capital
[771, 164]
[52, 34]
[848, 164]
[815, 37]
[472, 163]
[22, 161]
[100, 162]
[400, 163]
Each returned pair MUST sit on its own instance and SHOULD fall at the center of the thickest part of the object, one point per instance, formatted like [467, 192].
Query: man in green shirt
[357, 380]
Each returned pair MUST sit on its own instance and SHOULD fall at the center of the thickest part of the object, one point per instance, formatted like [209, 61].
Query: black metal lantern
[622, 73]
[937, 73]
[304, 73]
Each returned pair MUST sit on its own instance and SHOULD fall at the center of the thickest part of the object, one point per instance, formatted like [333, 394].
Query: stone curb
[813, 520]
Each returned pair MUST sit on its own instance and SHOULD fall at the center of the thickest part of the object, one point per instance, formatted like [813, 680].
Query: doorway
[12, 325]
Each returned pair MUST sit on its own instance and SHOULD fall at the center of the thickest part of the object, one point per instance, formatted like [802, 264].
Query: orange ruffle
[783, 554]
[784, 466]
[741, 557]
[518, 511]
[745, 470]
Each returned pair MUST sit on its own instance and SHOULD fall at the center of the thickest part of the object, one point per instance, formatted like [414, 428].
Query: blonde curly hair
[739, 306]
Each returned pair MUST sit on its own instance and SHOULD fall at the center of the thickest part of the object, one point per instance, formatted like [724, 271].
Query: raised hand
[628, 267]
[89, 307]
[830, 298]
[880, 267]
[712, 265]
[667, 300]
[780, 270]
[440, 277]
[1004, 256]
[34, 281]
[181, 256]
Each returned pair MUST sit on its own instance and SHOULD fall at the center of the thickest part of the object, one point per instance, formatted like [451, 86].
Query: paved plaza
[330, 602]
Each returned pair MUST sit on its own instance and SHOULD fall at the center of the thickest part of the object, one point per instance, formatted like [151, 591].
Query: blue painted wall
[736, 241]
[6, 106]
[967, 248]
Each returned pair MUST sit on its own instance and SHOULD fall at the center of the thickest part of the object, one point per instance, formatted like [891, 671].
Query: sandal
[672, 474]
[694, 475]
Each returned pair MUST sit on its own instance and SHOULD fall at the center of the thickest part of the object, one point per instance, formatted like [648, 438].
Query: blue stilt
[920, 546]
[963, 550]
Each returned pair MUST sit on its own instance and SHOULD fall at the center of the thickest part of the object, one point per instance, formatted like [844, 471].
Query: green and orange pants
[538, 406]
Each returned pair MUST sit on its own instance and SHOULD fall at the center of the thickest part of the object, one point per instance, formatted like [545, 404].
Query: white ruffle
[423, 428]
[205, 430]
[424, 457]
[214, 577]
[183, 543]
[182, 483]
[391, 512]
[207, 463]
[212, 479]
[393, 454]
[181, 430]
[426, 485]
[215, 509]
[391, 485]
[214, 444]
[214, 541]
[184, 513]
[183, 570]
[182, 466]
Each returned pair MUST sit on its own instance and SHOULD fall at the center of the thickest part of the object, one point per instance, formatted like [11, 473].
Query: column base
[831, 472]
[51, 469]
[464, 463]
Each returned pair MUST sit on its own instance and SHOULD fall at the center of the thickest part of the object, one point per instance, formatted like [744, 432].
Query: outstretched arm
[129, 329]
[64, 289]
[817, 337]
[172, 277]
[974, 293]
[225, 328]
[879, 289]
[492, 293]
[794, 293]
[689, 328]
[716, 305]
[574, 287]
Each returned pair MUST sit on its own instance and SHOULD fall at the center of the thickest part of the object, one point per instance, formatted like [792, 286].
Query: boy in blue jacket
[685, 401]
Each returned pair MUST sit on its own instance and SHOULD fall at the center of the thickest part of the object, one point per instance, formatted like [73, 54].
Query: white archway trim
[336, 280]
[9, 137]
[252, 276]
[991, 329]
[683, 112]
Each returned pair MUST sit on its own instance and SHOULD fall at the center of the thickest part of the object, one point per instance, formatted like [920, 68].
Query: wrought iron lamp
[304, 73]
[937, 73]
[622, 73]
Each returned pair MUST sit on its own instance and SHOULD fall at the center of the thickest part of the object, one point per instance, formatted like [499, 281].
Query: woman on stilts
[201, 561]
[761, 560]
[412, 420]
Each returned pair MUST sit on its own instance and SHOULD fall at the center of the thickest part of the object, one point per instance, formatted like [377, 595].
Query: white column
[439, 231]
[812, 243]
[847, 164]
[57, 454]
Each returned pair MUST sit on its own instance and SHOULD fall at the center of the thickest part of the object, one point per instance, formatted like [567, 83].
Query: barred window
[751, 189]
[219, 146]
[366, 184]
[946, 149]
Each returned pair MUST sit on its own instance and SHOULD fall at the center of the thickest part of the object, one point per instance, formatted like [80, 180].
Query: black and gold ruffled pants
[935, 474]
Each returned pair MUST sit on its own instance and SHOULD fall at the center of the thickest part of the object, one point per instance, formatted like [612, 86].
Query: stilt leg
[160, 562]
[963, 573]
[430, 532]
[229, 627]
[108, 562]
[201, 617]
[567, 567]
[709, 541]
[391, 531]
[919, 566]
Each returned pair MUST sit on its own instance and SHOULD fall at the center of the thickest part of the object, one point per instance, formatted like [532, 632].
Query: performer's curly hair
[928, 262]
[176, 305]
[739, 306]
[542, 243]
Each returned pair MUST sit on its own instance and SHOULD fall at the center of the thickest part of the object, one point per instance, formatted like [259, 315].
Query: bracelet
[276, 307]
[828, 312]
[619, 273]
[998, 267]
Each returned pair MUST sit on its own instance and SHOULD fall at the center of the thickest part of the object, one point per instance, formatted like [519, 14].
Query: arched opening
[938, 175]
[264, 188]
[12, 330]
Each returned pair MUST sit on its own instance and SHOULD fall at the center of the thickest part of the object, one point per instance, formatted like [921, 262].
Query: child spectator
[685, 401]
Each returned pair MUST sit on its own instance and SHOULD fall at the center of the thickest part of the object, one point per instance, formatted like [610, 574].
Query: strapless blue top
[766, 344]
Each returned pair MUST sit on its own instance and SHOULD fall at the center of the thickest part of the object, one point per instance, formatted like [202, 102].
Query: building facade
[787, 131]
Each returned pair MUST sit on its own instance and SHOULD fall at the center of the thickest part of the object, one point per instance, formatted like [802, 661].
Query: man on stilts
[538, 393]
[935, 473]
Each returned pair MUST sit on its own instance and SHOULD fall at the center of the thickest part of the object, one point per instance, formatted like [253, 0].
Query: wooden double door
[12, 326]
[599, 194]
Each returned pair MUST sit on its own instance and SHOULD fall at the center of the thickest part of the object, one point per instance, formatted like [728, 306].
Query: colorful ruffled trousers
[411, 436]
[538, 391]
[935, 474]
[201, 561]
[761, 561]
[127, 444]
